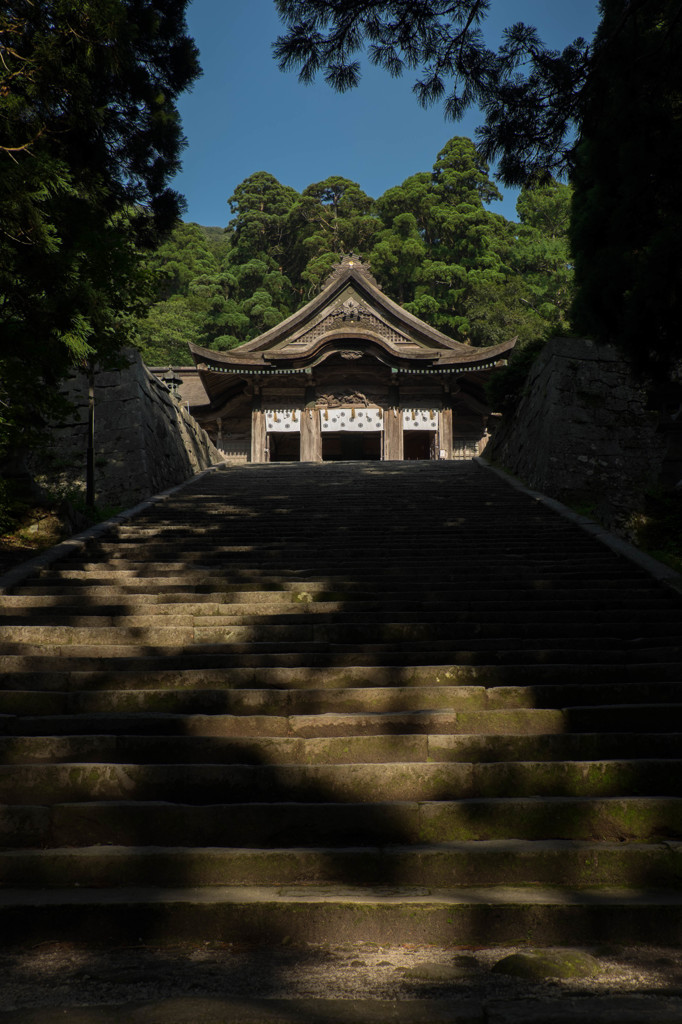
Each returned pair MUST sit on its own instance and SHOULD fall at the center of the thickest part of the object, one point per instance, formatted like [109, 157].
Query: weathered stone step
[659, 621]
[265, 701]
[321, 515]
[339, 587]
[40, 674]
[238, 536]
[368, 573]
[18, 658]
[326, 522]
[649, 717]
[211, 629]
[194, 643]
[375, 749]
[238, 783]
[302, 602]
[366, 564]
[399, 582]
[579, 865]
[553, 916]
[241, 700]
[499, 722]
[295, 823]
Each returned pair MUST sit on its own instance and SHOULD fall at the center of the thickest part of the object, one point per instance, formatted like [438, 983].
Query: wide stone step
[653, 621]
[367, 566]
[306, 823]
[494, 666]
[542, 679]
[373, 583]
[651, 718]
[264, 701]
[488, 722]
[209, 655]
[579, 865]
[329, 914]
[375, 749]
[458, 598]
[236, 700]
[327, 520]
[298, 599]
[227, 784]
[376, 699]
[212, 630]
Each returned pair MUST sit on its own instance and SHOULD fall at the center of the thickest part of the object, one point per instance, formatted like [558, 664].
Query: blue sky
[244, 115]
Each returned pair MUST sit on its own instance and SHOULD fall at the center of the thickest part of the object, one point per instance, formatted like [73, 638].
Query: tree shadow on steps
[280, 535]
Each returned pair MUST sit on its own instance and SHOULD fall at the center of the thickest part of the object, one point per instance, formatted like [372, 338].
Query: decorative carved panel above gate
[351, 314]
[335, 399]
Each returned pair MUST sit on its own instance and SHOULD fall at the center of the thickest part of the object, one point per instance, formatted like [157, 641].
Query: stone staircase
[364, 701]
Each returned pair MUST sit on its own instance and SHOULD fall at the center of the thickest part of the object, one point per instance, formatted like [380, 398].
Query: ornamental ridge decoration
[352, 314]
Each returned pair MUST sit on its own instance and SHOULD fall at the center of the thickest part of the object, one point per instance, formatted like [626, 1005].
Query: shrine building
[351, 375]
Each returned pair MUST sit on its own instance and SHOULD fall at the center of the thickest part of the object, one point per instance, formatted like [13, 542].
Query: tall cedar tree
[89, 139]
[626, 221]
[620, 97]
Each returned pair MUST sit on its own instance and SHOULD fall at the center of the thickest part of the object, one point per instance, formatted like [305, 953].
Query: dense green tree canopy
[468, 271]
[89, 139]
[432, 243]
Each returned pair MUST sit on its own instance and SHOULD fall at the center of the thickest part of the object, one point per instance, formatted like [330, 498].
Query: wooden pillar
[311, 433]
[393, 434]
[393, 427]
[258, 431]
[311, 436]
[446, 437]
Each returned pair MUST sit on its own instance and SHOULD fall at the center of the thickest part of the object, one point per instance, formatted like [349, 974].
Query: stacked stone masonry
[145, 440]
[582, 431]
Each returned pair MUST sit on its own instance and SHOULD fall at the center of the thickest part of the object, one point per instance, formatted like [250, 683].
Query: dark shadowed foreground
[311, 708]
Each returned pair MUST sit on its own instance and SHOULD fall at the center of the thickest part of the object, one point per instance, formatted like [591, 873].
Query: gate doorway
[419, 445]
[351, 446]
[284, 447]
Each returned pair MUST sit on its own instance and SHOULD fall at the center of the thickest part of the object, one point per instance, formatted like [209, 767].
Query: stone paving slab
[265, 1011]
[324, 914]
[604, 1010]
[610, 1010]
[331, 985]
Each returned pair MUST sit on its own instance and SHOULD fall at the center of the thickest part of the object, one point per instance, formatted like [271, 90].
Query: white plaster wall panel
[283, 421]
[333, 420]
[420, 419]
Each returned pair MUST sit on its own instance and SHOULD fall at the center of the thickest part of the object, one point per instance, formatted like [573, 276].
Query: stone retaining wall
[582, 432]
[145, 440]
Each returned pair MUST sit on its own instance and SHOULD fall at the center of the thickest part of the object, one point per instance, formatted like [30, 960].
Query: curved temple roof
[351, 316]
